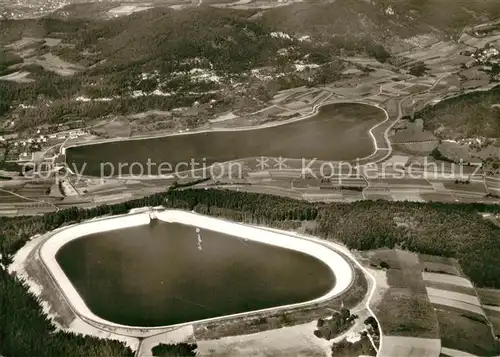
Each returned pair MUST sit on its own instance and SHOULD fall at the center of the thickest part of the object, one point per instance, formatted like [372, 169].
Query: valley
[242, 178]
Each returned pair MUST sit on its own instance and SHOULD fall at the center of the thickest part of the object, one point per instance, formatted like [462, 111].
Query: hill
[215, 57]
[467, 116]
[159, 59]
[383, 19]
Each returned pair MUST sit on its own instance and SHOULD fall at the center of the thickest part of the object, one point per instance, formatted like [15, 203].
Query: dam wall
[341, 268]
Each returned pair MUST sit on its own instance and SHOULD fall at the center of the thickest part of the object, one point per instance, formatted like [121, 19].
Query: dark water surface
[155, 275]
[337, 132]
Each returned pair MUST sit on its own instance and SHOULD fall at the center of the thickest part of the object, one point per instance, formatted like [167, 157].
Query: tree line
[25, 330]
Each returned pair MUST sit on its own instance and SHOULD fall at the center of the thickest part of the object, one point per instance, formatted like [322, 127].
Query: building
[25, 156]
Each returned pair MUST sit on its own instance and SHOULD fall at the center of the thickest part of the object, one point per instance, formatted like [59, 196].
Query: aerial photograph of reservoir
[160, 274]
[337, 132]
[250, 178]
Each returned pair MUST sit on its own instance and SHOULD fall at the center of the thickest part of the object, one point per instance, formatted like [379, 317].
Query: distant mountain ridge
[165, 58]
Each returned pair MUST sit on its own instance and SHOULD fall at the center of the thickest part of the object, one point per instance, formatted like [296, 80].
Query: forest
[26, 331]
[452, 230]
[466, 116]
[174, 350]
[168, 44]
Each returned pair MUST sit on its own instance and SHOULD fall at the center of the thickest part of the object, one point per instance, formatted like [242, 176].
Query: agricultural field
[472, 187]
[493, 315]
[466, 332]
[411, 346]
[17, 77]
[457, 304]
[437, 264]
[8, 202]
[409, 132]
[489, 297]
[32, 52]
[377, 194]
[445, 279]
[54, 63]
[490, 300]
[492, 185]
[33, 197]
[478, 42]
[444, 308]
[450, 287]
[467, 301]
[405, 309]
[417, 183]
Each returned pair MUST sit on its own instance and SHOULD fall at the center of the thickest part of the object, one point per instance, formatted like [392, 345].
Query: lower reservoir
[168, 273]
[337, 132]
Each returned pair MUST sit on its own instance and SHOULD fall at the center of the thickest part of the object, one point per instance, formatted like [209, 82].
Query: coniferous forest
[452, 230]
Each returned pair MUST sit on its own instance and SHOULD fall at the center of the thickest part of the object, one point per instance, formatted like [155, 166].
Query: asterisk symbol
[262, 162]
[280, 163]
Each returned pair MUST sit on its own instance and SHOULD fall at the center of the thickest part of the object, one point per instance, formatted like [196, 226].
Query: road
[400, 115]
[389, 148]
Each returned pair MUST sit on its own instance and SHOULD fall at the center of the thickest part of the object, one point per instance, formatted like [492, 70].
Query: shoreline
[375, 152]
[337, 263]
[314, 112]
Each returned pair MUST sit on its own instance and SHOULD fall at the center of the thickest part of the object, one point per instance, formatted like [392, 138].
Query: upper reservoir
[168, 273]
[337, 132]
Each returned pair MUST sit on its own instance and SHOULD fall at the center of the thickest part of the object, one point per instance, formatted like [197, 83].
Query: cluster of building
[487, 55]
[22, 9]
[23, 148]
